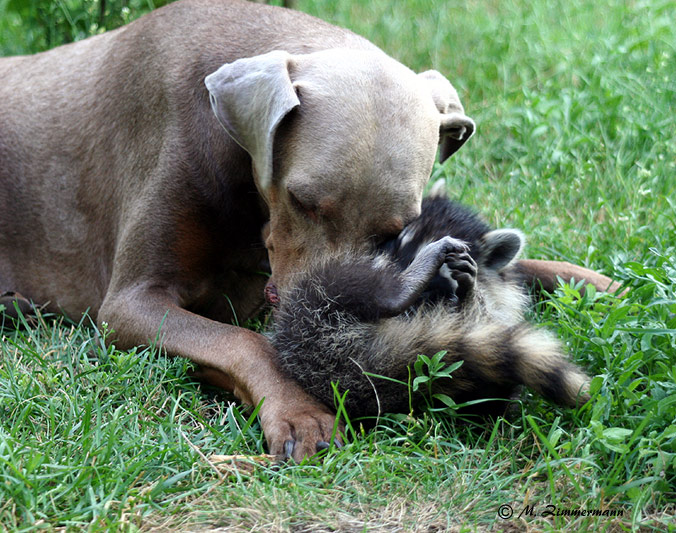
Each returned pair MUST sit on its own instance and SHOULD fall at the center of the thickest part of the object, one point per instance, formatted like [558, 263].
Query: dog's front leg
[235, 358]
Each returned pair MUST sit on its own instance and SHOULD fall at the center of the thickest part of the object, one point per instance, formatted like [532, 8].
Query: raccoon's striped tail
[527, 356]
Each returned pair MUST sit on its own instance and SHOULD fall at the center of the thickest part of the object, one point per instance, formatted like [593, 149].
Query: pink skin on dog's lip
[270, 292]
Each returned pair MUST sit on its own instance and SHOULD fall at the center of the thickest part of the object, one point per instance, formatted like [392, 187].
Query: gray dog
[121, 194]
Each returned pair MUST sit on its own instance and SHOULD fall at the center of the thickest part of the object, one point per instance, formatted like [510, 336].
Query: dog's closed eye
[310, 212]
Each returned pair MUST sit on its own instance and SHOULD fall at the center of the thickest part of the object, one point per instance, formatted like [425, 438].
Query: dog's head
[342, 143]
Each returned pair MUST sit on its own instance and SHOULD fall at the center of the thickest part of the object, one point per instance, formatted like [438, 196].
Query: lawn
[575, 103]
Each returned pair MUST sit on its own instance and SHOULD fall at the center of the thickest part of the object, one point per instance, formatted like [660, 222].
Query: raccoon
[447, 282]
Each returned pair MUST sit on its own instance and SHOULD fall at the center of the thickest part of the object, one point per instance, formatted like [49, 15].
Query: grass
[576, 145]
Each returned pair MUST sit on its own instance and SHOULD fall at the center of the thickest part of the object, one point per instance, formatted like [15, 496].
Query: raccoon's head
[499, 248]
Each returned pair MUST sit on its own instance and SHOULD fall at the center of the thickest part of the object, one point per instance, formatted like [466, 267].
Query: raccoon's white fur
[332, 327]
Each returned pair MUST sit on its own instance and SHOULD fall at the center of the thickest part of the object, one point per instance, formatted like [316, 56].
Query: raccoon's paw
[435, 254]
[463, 269]
[451, 247]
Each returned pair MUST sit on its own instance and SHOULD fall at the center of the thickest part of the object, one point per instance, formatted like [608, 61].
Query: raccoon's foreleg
[417, 276]
[446, 252]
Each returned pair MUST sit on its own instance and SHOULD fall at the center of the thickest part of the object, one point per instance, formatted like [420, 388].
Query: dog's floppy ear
[250, 97]
[456, 127]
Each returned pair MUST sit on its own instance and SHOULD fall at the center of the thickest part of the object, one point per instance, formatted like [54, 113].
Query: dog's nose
[264, 266]
[270, 292]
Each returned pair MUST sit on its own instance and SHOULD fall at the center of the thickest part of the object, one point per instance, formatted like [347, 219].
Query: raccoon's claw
[461, 263]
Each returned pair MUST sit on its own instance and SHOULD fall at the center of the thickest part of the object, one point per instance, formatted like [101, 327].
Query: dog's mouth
[270, 292]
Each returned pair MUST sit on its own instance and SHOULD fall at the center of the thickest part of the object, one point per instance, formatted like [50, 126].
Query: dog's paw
[298, 428]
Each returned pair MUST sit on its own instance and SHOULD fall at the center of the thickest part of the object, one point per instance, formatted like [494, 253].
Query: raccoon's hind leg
[446, 252]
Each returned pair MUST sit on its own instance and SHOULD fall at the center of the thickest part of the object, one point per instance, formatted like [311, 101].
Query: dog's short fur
[121, 195]
[342, 319]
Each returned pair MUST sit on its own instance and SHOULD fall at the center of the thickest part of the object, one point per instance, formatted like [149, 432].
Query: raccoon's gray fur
[424, 292]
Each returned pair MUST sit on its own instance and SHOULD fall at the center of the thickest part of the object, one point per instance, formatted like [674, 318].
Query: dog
[448, 282]
[121, 194]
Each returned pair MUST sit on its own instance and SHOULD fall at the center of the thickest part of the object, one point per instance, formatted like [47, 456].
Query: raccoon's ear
[501, 247]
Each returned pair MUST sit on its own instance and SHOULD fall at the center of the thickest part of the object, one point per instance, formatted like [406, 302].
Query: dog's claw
[289, 446]
[296, 426]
